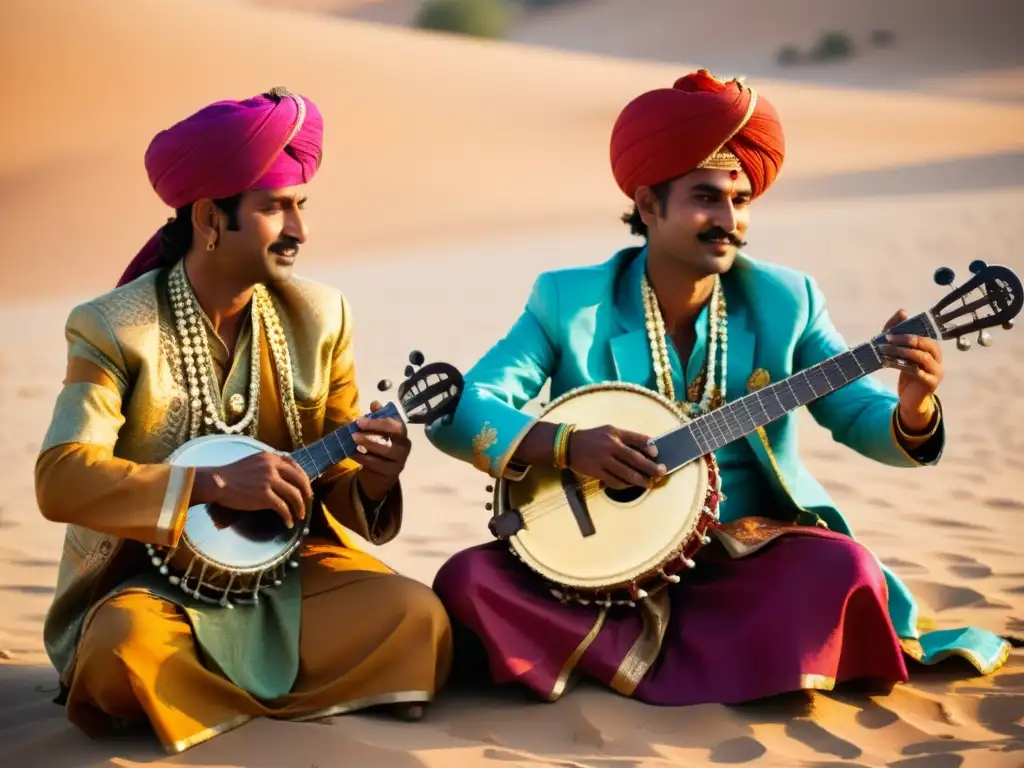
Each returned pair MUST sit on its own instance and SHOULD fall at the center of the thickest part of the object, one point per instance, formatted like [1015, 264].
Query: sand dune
[460, 138]
[460, 157]
[946, 38]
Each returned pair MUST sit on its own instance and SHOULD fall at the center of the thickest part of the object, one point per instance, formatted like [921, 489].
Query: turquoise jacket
[586, 325]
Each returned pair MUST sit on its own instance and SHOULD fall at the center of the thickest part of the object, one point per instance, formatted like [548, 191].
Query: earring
[211, 245]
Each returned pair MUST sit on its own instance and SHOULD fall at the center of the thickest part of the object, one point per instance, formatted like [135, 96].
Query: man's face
[703, 221]
[270, 230]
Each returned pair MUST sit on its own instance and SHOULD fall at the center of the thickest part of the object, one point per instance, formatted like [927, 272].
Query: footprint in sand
[744, 749]
[1015, 626]
[820, 740]
[950, 522]
[903, 566]
[1012, 683]
[998, 552]
[874, 716]
[1000, 503]
[943, 597]
[842, 489]
[966, 567]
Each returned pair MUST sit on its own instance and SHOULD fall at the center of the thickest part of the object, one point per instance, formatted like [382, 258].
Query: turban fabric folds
[229, 147]
[700, 122]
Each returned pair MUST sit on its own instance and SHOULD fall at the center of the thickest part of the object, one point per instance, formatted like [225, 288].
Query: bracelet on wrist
[929, 429]
[561, 448]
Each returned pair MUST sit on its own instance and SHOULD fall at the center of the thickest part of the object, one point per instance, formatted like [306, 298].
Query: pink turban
[229, 147]
[700, 122]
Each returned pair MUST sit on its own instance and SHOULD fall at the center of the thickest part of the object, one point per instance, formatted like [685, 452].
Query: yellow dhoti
[368, 637]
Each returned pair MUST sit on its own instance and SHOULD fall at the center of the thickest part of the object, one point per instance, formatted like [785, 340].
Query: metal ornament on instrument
[642, 539]
[594, 544]
[226, 556]
[223, 556]
[677, 518]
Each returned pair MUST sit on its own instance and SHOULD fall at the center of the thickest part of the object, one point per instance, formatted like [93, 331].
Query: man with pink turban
[208, 333]
[782, 598]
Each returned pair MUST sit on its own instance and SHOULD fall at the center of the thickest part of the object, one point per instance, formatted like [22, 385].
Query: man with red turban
[208, 333]
[779, 597]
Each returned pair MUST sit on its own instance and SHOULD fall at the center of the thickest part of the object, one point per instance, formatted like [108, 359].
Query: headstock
[993, 296]
[429, 392]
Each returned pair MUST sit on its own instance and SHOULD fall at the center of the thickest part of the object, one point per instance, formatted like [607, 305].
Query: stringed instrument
[595, 544]
[225, 556]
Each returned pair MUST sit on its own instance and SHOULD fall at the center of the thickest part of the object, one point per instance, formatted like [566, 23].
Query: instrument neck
[738, 418]
[335, 447]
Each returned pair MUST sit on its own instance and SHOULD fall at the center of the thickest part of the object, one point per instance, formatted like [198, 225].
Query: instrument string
[554, 502]
[589, 488]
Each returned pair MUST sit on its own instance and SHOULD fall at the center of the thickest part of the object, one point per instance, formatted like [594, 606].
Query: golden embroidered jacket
[124, 408]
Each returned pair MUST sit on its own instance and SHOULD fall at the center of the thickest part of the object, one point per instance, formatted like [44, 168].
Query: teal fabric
[744, 485]
[586, 325]
[254, 646]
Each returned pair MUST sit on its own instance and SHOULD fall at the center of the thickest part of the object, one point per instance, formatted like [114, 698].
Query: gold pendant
[236, 404]
[758, 379]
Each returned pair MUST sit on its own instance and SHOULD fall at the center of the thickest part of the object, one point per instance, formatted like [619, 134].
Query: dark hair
[176, 238]
[636, 224]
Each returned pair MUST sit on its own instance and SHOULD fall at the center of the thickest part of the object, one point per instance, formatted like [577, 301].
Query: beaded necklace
[718, 341]
[207, 410]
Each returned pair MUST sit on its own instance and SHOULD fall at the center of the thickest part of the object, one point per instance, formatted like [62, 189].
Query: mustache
[284, 244]
[717, 233]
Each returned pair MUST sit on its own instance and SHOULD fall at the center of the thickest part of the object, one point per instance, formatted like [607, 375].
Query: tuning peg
[416, 357]
[488, 506]
[985, 339]
[944, 276]
[963, 344]
[489, 489]
[384, 385]
[977, 266]
[409, 370]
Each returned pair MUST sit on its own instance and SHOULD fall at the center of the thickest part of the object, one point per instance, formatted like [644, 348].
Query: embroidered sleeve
[78, 478]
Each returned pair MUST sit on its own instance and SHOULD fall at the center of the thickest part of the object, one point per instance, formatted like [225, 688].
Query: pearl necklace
[718, 338]
[200, 379]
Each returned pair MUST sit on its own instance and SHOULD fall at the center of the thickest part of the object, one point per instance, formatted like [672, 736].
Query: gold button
[236, 404]
[758, 379]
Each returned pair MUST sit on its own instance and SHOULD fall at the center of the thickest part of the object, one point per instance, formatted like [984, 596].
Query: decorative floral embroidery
[487, 437]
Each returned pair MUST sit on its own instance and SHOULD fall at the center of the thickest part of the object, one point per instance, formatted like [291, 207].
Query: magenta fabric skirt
[808, 610]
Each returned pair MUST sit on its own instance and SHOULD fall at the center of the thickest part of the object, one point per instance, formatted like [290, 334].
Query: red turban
[697, 123]
[265, 142]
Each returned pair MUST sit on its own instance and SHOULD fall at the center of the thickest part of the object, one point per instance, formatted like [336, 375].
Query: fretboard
[337, 446]
[742, 416]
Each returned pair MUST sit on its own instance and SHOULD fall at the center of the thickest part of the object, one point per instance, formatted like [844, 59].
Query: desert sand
[449, 163]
